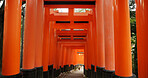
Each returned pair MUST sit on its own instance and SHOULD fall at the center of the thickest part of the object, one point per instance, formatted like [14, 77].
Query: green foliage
[55, 9]
[82, 10]
[133, 37]
[22, 31]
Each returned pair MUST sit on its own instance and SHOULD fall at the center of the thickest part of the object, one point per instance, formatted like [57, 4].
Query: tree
[133, 36]
[22, 30]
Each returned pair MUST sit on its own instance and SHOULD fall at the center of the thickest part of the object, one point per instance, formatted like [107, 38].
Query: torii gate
[108, 37]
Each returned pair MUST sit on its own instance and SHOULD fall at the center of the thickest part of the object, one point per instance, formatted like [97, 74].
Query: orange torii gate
[106, 34]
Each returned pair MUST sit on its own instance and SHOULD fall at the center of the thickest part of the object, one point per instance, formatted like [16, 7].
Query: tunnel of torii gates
[53, 41]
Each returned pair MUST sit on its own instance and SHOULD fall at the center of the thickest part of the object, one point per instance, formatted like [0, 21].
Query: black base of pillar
[13, 76]
[71, 67]
[89, 73]
[39, 72]
[115, 76]
[29, 73]
[51, 72]
[57, 72]
[108, 74]
[99, 72]
[66, 68]
[46, 74]
[95, 74]
[84, 69]
[92, 71]
[62, 70]
[86, 73]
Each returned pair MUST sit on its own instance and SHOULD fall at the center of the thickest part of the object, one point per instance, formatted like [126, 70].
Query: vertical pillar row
[62, 58]
[90, 49]
[54, 47]
[28, 68]
[57, 60]
[45, 54]
[66, 60]
[85, 60]
[51, 52]
[73, 58]
[123, 58]
[141, 23]
[11, 41]
[100, 37]
[39, 38]
[109, 39]
[94, 40]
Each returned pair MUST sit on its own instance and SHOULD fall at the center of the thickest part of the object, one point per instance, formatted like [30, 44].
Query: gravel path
[73, 74]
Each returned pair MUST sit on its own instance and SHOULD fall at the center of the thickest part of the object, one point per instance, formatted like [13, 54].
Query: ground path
[73, 74]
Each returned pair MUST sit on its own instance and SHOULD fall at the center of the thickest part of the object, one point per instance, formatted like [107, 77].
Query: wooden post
[39, 38]
[45, 55]
[141, 23]
[123, 60]
[29, 39]
[100, 37]
[11, 41]
[109, 38]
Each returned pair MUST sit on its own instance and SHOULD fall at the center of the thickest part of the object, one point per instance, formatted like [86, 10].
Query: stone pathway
[73, 74]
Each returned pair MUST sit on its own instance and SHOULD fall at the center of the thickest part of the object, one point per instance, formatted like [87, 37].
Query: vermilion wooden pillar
[11, 41]
[94, 45]
[51, 52]
[60, 49]
[94, 37]
[70, 58]
[68, 55]
[91, 48]
[89, 54]
[51, 55]
[75, 56]
[100, 34]
[141, 23]
[66, 67]
[58, 59]
[85, 60]
[90, 45]
[29, 39]
[62, 65]
[54, 48]
[53, 45]
[39, 38]
[74, 59]
[45, 54]
[85, 57]
[64, 56]
[123, 59]
[109, 38]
